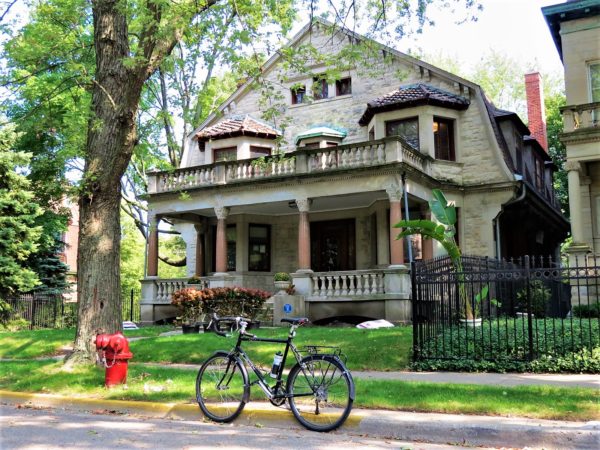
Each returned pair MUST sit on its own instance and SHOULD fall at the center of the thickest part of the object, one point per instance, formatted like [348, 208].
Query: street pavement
[451, 429]
[63, 429]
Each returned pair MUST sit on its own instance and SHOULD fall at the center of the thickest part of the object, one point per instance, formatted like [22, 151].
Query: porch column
[152, 263]
[199, 268]
[396, 246]
[574, 169]
[383, 237]
[303, 235]
[221, 256]
[426, 244]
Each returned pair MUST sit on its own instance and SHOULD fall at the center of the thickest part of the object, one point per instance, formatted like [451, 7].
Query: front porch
[325, 216]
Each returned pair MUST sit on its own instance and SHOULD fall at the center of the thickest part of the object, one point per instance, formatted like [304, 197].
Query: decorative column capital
[303, 204]
[222, 212]
[394, 193]
[572, 166]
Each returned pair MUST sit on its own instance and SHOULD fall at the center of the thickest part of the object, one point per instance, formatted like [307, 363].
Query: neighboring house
[325, 210]
[575, 28]
[69, 252]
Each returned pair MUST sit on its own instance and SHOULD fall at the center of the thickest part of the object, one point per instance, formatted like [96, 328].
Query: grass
[42, 343]
[384, 349]
[164, 384]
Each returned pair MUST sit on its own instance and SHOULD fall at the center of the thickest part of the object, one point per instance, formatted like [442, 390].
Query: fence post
[32, 311]
[131, 307]
[415, 321]
[529, 312]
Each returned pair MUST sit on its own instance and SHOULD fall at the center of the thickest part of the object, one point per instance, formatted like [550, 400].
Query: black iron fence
[36, 310]
[494, 310]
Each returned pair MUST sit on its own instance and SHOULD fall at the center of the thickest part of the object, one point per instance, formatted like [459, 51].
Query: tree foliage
[18, 213]
[135, 45]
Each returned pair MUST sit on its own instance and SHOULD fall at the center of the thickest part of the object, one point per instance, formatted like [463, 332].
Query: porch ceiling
[286, 207]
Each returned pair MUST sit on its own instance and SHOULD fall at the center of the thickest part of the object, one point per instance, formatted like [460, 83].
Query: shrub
[5, 312]
[235, 301]
[190, 303]
[503, 346]
[585, 311]
[282, 276]
[194, 280]
[539, 295]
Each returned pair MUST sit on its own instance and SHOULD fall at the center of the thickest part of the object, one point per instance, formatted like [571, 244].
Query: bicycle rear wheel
[321, 392]
[222, 388]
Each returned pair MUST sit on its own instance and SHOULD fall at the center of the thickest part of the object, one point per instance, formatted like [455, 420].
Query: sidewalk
[435, 428]
[490, 379]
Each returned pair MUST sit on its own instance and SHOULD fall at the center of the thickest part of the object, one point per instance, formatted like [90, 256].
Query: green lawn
[39, 343]
[384, 349]
[164, 384]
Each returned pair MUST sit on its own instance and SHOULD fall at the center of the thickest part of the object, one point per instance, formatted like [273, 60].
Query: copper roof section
[413, 95]
[243, 125]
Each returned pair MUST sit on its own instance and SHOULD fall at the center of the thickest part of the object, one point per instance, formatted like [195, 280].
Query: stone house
[318, 198]
[575, 28]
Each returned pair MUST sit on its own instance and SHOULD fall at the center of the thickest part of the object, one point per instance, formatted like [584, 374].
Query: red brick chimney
[535, 108]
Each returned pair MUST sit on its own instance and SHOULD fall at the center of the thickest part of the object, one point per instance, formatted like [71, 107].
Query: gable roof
[273, 60]
[239, 125]
[413, 95]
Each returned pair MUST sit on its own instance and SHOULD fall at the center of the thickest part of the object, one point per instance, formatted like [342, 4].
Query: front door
[332, 245]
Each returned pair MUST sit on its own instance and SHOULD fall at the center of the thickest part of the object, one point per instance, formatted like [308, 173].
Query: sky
[514, 27]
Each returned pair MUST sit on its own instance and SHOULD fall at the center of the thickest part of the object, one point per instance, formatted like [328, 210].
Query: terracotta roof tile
[413, 95]
[242, 125]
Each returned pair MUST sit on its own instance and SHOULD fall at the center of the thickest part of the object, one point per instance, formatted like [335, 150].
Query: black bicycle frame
[270, 392]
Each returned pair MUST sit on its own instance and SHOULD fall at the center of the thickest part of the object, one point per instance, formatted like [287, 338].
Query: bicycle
[319, 387]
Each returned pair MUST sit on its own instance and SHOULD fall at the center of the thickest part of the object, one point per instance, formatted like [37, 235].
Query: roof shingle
[241, 125]
[413, 95]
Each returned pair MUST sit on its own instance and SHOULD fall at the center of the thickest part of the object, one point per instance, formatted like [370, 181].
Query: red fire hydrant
[113, 353]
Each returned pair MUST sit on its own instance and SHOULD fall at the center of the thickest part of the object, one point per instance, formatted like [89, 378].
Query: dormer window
[298, 95]
[443, 136]
[225, 154]
[406, 128]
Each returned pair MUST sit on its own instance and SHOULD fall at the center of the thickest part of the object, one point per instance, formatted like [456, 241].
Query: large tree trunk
[110, 142]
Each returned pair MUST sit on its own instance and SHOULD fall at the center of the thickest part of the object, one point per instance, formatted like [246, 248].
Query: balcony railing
[581, 117]
[303, 161]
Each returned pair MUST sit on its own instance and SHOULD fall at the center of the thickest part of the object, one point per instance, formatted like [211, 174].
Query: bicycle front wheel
[321, 392]
[222, 388]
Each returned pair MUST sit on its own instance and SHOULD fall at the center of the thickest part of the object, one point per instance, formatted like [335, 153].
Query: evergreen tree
[18, 213]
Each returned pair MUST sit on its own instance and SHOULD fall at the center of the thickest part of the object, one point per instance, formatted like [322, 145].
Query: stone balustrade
[580, 117]
[302, 161]
[350, 283]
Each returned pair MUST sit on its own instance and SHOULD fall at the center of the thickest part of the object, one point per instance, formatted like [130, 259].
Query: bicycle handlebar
[240, 321]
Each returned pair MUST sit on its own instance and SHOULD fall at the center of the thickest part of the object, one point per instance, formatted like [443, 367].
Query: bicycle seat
[296, 320]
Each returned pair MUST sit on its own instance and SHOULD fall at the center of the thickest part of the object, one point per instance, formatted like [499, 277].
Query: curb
[424, 427]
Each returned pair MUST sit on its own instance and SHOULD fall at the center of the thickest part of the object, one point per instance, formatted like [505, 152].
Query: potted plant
[190, 302]
[282, 281]
[195, 280]
[474, 318]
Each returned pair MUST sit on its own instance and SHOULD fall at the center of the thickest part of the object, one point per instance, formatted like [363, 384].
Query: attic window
[343, 86]
[298, 95]
[320, 88]
[202, 146]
